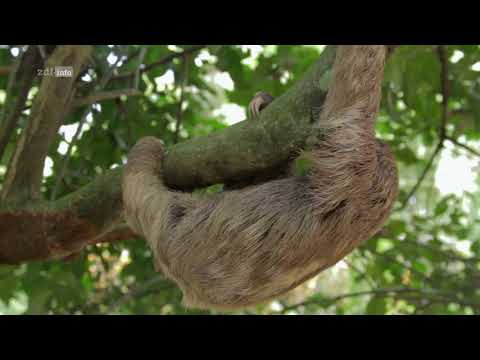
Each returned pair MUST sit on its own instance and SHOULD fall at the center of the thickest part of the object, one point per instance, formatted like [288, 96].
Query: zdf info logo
[57, 71]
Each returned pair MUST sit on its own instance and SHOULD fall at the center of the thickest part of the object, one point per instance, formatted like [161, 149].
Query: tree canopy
[63, 143]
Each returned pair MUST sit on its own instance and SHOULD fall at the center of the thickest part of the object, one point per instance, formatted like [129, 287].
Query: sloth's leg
[259, 102]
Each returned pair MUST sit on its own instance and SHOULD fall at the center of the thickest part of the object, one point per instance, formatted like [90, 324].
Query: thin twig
[422, 176]
[105, 95]
[442, 133]
[447, 252]
[363, 274]
[459, 144]
[392, 259]
[331, 301]
[165, 60]
[432, 295]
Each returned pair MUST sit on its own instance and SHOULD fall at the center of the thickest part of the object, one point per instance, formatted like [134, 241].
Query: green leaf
[441, 207]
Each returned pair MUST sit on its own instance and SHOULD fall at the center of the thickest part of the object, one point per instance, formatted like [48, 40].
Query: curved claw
[259, 102]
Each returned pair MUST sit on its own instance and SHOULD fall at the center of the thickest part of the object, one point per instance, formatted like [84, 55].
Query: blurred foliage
[425, 261]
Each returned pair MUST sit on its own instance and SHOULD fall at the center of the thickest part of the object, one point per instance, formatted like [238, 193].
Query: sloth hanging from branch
[248, 246]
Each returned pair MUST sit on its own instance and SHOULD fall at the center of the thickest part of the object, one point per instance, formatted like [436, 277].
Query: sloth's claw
[259, 102]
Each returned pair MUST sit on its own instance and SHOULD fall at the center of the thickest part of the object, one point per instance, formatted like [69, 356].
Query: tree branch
[53, 101]
[57, 229]
[20, 82]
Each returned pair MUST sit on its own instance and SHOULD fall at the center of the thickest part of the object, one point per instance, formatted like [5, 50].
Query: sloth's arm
[143, 195]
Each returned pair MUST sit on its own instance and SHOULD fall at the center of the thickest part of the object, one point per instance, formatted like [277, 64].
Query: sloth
[248, 246]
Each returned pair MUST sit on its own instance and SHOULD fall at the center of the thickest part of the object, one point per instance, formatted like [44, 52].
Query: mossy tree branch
[237, 153]
[252, 147]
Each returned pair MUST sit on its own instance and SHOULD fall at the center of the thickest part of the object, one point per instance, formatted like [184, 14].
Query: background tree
[63, 248]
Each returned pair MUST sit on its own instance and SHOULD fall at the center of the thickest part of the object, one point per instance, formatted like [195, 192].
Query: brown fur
[247, 246]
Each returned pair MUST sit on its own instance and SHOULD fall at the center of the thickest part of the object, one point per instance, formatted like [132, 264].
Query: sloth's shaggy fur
[244, 247]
